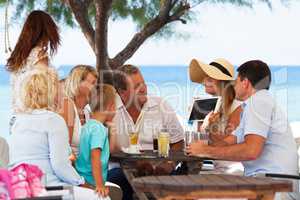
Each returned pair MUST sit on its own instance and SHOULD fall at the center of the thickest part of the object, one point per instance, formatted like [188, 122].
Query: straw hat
[219, 69]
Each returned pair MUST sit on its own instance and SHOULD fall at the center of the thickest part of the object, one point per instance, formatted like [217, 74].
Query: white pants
[81, 193]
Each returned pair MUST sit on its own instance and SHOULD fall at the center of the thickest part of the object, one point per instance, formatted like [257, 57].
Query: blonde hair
[101, 96]
[39, 89]
[76, 76]
[228, 96]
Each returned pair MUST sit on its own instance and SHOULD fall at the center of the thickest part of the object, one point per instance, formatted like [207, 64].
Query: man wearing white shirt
[136, 110]
[263, 141]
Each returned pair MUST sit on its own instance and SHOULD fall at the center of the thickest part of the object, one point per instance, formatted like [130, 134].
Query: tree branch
[149, 29]
[181, 10]
[103, 8]
[80, 11]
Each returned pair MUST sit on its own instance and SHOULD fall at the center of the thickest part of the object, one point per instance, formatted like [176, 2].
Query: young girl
[39, 33]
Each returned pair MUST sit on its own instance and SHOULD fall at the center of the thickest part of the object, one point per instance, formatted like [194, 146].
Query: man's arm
[228, 140]
[250, 149]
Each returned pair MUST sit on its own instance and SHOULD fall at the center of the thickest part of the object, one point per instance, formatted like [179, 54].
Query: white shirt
[262, 116]
[155, 114]
[18, 77]
[41, 138]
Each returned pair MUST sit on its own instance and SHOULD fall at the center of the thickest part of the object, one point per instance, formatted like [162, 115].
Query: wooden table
[128, 161]
[211, 186]
[153, 156]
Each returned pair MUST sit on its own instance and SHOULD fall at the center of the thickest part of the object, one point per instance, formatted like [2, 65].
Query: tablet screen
[202, 107]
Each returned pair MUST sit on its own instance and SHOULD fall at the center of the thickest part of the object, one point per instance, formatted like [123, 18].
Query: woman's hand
[214, 118]
[197, 148]
[102, 191]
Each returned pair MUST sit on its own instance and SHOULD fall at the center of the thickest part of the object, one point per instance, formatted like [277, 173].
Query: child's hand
[72, 157]
[102, 191]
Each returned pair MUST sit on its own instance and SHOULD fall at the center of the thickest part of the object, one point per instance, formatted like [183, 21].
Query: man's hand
[102, 191]
[197, 148]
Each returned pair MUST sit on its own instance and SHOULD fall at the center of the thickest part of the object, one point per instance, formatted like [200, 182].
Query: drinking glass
[163, 144]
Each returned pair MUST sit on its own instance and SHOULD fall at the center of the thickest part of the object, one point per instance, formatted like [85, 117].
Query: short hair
[101, 96]
[76, 76]
[120, 76]
[257, 72]
[39, 89]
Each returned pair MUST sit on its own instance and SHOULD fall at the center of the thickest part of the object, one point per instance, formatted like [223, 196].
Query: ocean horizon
[172, 83]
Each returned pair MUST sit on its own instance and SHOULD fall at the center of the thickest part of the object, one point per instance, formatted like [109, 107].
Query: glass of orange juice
[163, 143]
[133, 140]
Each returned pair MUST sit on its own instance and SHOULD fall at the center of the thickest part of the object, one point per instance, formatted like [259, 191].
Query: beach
[173, 85]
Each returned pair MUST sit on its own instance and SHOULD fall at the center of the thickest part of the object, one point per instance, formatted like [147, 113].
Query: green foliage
[139, 11]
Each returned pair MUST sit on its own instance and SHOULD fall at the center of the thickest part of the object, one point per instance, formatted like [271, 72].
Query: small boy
[94, 146]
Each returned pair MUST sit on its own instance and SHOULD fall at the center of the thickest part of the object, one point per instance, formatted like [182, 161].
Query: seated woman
[40, 136]
[217, 79]
[73, 106]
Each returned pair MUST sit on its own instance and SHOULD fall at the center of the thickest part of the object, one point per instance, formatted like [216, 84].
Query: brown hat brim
[199, 70]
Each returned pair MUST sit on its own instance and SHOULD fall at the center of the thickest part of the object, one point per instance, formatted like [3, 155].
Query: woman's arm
[68, 113]
[233, 120]
[59, 152]
[221, 139]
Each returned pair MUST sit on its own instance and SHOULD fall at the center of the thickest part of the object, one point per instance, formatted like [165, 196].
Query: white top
[77, 128]
[262, 116]
[223, 121]
[18, 77]
[41, 138]
[76, 132]
[155, 114]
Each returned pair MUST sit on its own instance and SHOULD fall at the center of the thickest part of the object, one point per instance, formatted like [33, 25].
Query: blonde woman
[217, 78]
[39, 135]
[74, 109]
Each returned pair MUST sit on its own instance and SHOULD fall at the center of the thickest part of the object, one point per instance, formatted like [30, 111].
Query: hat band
[221, 68]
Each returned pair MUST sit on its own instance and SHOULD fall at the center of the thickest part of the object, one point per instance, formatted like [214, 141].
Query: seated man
[263, 141]
[144, 114]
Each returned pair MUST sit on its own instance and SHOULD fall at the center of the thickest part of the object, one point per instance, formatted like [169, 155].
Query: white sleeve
[59, 152]
[258, 116]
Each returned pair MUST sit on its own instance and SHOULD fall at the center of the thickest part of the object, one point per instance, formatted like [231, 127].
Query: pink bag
[5, 186]
[26, 181]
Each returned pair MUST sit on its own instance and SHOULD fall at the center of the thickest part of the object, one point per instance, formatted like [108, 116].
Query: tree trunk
[103, 8]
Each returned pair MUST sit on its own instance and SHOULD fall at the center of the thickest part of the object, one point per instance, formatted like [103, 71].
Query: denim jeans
[117, 176]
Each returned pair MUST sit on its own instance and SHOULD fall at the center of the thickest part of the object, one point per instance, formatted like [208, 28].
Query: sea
[172, 83]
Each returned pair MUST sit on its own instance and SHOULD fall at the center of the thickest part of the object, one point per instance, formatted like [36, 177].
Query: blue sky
[235, 33]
